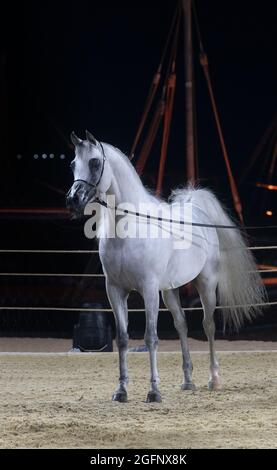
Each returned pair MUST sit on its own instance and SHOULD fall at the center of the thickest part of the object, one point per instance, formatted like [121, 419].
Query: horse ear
[91, 138]
[74, 139]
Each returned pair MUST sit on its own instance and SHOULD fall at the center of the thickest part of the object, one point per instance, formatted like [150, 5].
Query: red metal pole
[234, 190]
[167, 122]
[190, 155]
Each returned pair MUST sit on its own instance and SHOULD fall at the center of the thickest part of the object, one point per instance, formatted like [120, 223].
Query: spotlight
[62, 156]
[51, 155]
[36, 156]
[44, 156]
[269, 213]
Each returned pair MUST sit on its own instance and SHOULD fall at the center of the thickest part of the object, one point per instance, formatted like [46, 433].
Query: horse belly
[183, 267]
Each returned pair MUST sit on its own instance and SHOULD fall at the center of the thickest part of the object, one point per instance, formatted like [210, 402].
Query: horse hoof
[120, 396]
[154, 397]
[213, 385]
[188, 386]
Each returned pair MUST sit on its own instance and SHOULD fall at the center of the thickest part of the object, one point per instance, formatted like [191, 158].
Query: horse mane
[126, 160]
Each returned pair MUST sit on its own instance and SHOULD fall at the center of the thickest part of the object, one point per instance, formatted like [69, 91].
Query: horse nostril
[75, 198]
[72, 200]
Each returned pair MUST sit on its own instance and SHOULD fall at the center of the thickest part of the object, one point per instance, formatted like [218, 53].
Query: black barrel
[93, 333]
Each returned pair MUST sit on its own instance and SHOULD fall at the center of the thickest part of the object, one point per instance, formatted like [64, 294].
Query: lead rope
[181, 222]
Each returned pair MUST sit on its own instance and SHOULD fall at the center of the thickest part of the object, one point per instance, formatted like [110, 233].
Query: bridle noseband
[94, 185]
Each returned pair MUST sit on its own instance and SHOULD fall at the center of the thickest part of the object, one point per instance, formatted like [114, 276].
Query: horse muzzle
[77, 198]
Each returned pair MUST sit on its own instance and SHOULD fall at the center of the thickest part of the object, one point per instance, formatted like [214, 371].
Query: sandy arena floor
[65, 401]
[64, 345]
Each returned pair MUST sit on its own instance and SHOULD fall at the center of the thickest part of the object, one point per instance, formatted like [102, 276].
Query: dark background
[88, 64]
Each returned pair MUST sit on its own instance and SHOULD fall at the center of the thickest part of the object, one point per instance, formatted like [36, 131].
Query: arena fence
[93, 275]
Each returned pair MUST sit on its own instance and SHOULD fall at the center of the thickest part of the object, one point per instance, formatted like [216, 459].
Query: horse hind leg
[172, 302]
[206, 287]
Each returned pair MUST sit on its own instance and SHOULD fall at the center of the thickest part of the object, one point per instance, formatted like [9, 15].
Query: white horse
[217, 262]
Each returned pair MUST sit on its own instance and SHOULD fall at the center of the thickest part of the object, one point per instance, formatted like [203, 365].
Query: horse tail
[240, 286]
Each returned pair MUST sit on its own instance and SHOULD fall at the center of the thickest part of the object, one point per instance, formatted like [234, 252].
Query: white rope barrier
[53, 274]
[265, 271]
[78, 252]
[92, 275]
[273, 247]
[75, 309]
[71, 309]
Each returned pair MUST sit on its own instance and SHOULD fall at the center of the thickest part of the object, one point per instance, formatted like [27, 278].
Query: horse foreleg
[151, 300]
[118, 300]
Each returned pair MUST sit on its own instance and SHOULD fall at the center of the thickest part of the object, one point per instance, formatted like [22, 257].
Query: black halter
[94, 185]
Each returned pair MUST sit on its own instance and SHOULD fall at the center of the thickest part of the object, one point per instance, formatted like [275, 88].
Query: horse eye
[94, 164]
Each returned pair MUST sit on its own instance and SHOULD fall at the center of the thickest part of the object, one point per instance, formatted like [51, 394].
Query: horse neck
[126, 185]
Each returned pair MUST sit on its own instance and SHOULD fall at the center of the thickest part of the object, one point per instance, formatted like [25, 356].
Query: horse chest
[120, 264]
